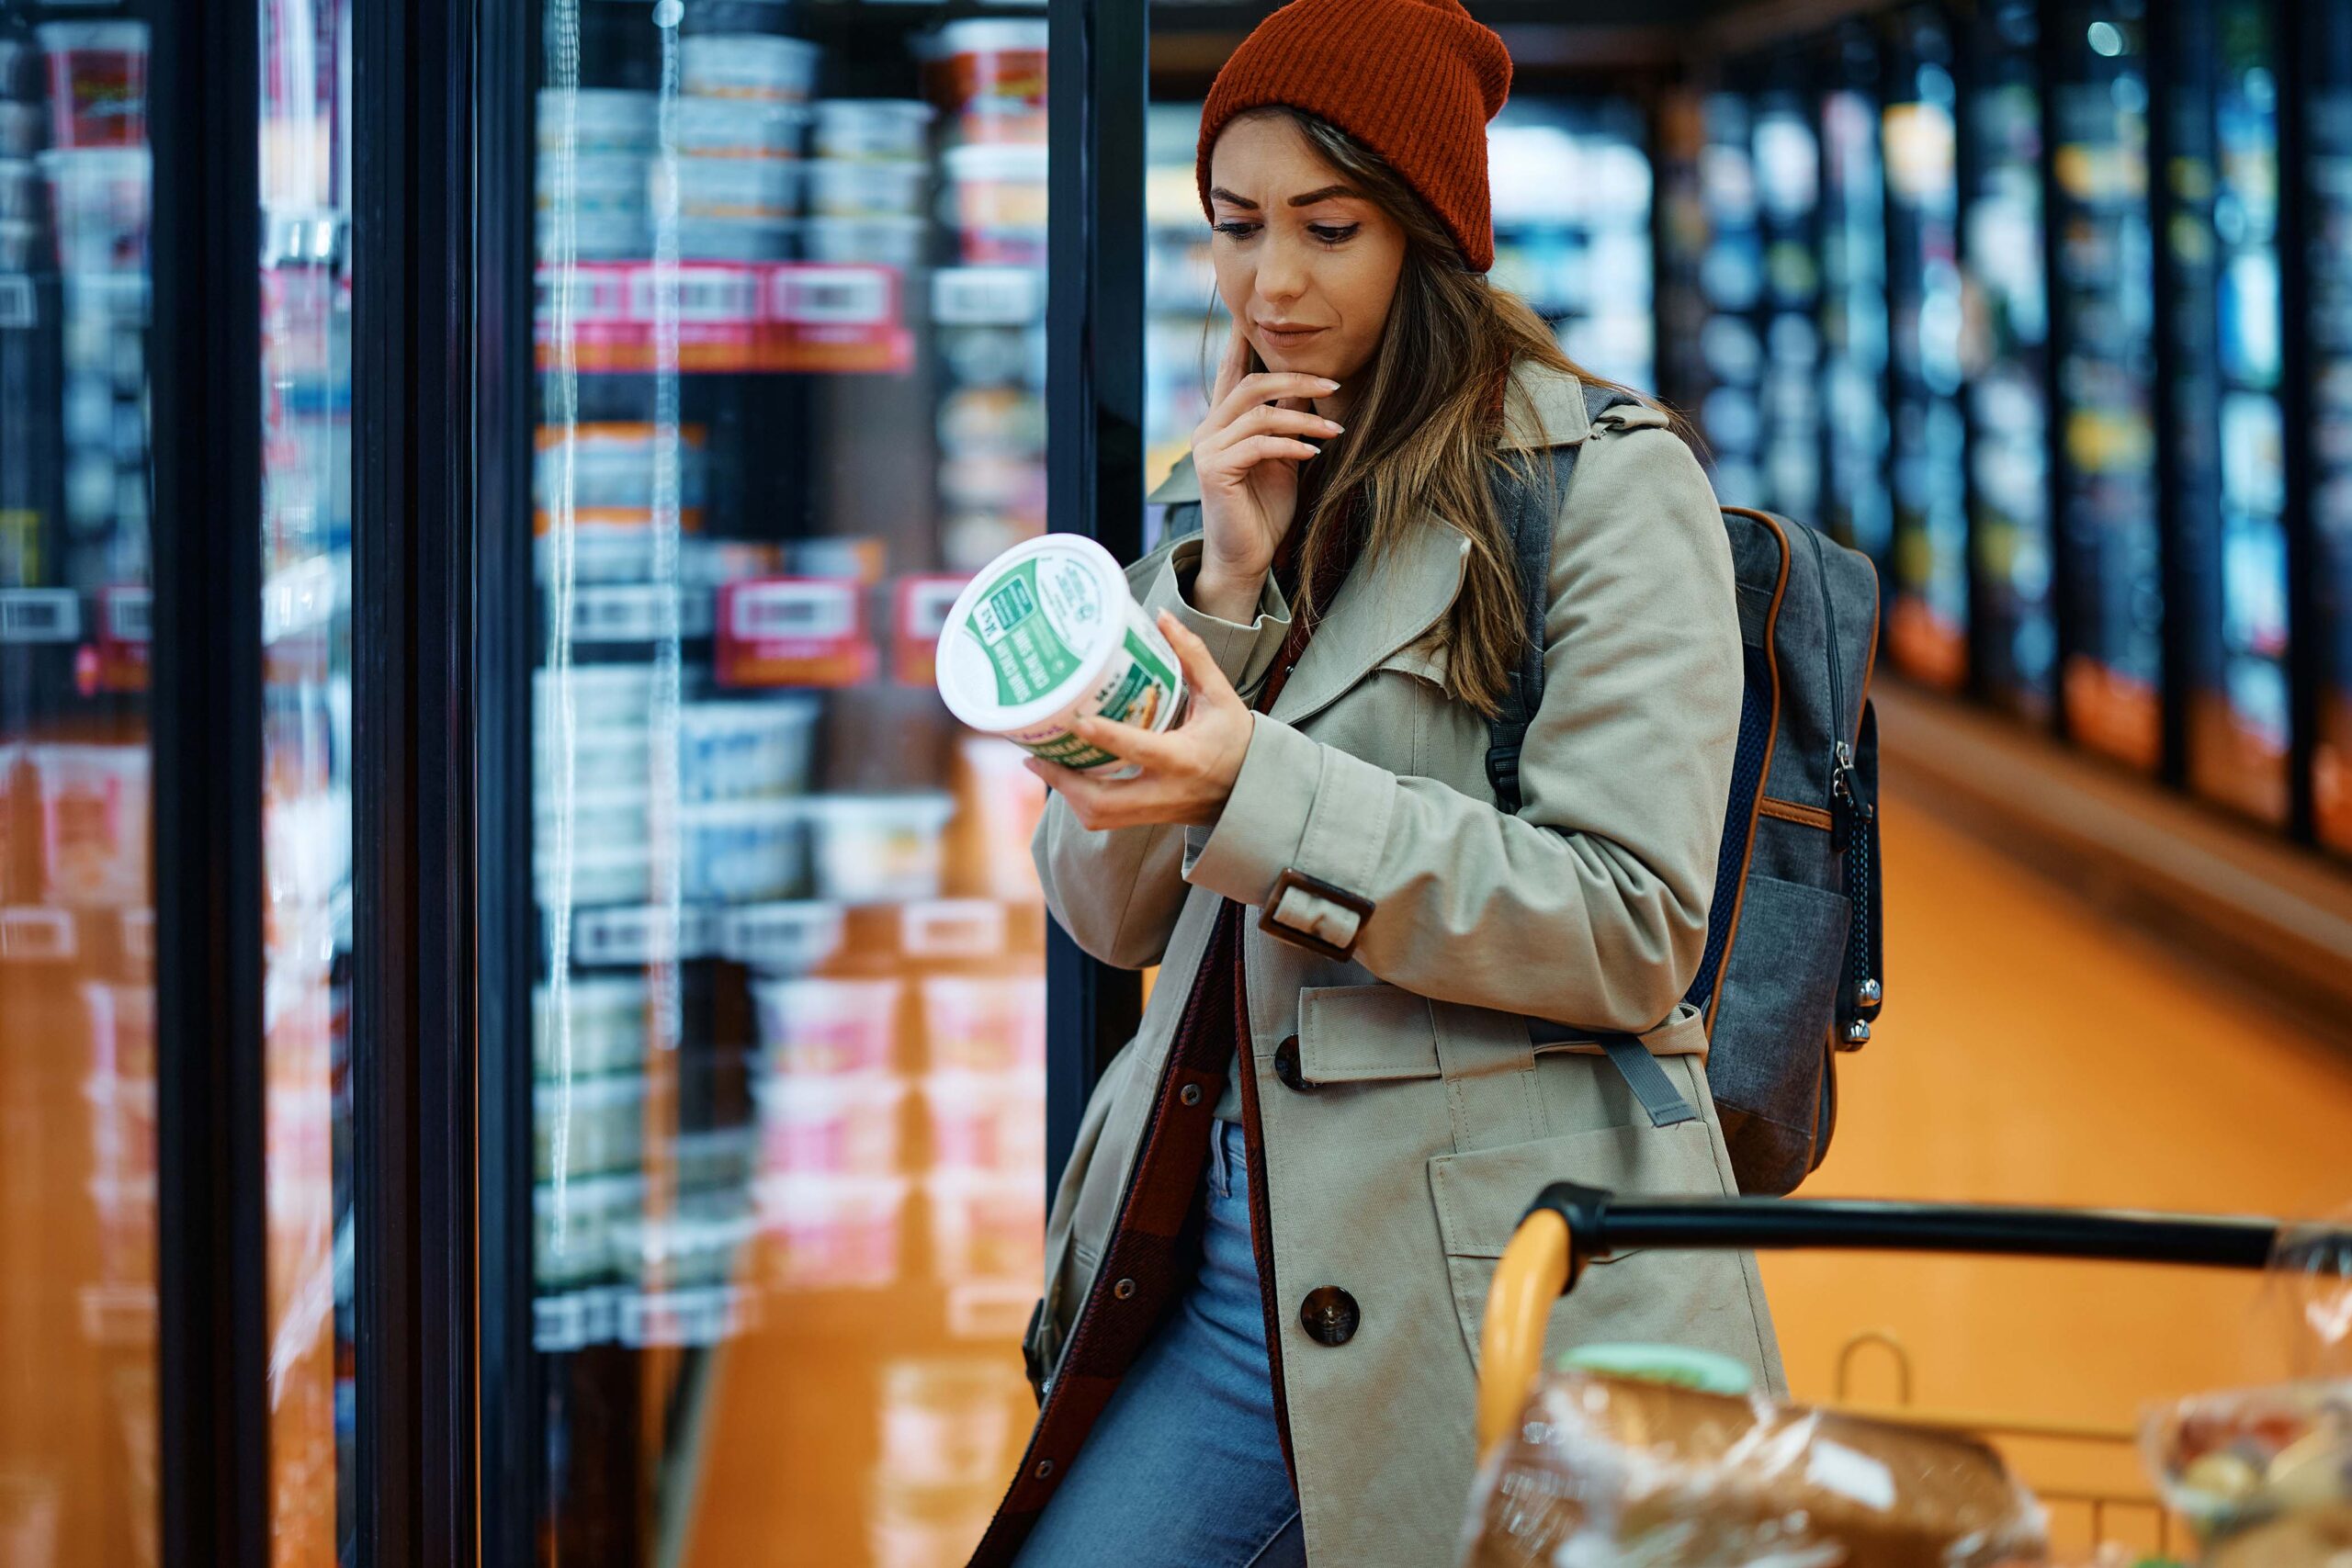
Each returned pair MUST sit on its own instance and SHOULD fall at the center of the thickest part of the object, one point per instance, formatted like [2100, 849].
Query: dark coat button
[1330, 1316]
[1286, 1065]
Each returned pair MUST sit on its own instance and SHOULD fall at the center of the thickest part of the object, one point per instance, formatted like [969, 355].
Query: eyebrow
[1220, 194]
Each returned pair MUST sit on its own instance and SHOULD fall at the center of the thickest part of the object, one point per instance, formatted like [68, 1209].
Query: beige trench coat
[1431, 1120]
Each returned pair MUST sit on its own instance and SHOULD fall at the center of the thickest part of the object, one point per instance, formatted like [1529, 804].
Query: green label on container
[1032, 628]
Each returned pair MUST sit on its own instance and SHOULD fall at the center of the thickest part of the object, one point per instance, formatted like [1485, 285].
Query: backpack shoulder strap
[1527, 511]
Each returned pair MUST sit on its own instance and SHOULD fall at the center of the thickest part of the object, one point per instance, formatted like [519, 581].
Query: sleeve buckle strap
[1309, 912]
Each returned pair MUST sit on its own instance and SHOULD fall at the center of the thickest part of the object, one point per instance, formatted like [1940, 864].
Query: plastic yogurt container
[1048, 633]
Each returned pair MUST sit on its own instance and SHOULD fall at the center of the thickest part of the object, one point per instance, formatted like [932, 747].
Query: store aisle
[2033, 1050]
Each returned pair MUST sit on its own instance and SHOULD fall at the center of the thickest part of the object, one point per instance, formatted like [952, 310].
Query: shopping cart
[1571, 1225]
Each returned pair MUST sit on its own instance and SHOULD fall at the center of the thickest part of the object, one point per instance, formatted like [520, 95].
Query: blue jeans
[1185, 1469]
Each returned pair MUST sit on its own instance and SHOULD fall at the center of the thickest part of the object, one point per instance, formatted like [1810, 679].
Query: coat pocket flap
[1364, 1035]
[1482, 1195]
[1424, 660]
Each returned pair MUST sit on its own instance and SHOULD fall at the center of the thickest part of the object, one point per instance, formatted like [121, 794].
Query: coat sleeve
[1118, 892]
[1589, 907]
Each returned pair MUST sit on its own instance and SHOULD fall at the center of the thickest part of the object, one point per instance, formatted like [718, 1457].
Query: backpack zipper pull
[1853, 846]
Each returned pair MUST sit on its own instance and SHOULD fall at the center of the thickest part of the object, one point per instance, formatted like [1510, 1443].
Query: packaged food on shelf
[746, 190]
[833, 1232]
[759, 66]
[842, 189]
[879, 241]
[948, 1421]
[999, 184]
[607, 1032]
[879, 849]
[984, 1023]
[97, 83]
[746, 749]
[573, 1228]
[793, 631]
[992, 481]
[1609, 1470]
[593, 875]
[811, 1025]
[588, 1127]
[1005, 422]
[954, 929]
[597, 237]
[743, 851]
[714, 1160]
[1008, 800]
[878, 128]
[919, 606]
[100, 201]
[15, 191]
[693, 1245]
[987, 1225]
[971, 540]
[93, 815]
[595, 185]
[850, 557]
[730, 128]
[601, 696]
[739, 16]
[598, 120]
[830, 1124]
[994, 68]
[616, 466]
[1000, 244]
[613, 758]
[20, 135]
[781, 940]
[735, 239]
[607, 817]
[987, 1121]
[1046, 634]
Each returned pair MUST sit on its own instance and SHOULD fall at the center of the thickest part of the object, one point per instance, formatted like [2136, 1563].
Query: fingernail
[1337, 428]
[1331, 386]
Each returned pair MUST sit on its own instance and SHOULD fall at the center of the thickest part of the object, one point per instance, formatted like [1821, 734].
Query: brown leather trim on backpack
[1795, 812]
[1772, 740]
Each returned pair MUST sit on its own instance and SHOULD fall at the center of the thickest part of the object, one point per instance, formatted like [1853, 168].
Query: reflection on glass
[1787, 154]
[1733, 294]
[2103, 325]
[77, 1025]
[1855, 510]
[2328, 182]
[1927, 620]
[2004, 353]
[2222, 410]
[789, 1029]
[306, 780]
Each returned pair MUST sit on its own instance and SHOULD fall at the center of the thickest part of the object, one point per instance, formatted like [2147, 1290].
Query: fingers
[1270, 419]
[1146, 748]
[1233, 366]
[1263, 387]
[1246, 455]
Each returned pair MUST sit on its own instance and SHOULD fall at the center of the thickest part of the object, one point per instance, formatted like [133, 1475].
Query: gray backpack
[1791, 972]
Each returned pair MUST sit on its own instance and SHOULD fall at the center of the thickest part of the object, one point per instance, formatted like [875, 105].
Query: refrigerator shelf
[727, 318]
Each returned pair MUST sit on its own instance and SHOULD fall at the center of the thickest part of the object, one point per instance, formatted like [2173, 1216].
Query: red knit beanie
[1414, 80]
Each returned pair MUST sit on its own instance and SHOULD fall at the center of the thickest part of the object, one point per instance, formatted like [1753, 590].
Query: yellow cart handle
[1533, 1275]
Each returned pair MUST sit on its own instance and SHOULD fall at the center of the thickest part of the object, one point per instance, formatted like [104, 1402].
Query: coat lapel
[1382, 606]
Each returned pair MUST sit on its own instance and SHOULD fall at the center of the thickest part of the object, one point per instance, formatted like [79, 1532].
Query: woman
[1269, 1255]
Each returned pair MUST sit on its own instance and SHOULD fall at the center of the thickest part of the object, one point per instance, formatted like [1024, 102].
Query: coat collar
[1543, 408]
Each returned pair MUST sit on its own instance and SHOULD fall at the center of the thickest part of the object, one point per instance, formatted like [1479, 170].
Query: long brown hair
[1424, 433]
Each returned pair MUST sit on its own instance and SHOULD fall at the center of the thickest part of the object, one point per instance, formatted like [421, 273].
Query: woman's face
[1307, 266]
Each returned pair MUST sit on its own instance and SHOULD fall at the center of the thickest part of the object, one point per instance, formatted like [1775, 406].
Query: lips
[1286, 336]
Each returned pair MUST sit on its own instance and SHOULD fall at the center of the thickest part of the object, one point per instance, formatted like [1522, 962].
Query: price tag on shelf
[31, 934]
[826, 317]
[126, 633]
[639, 935]
[634, 612]
[718, 314]
[39, 614]
[923, 603]
[986, 296]
[793, 631]
[952, 928]
[603, 335]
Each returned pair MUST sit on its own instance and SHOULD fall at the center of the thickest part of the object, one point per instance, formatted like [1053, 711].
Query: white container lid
[1012, 161]
[967, 676]
[994, 36]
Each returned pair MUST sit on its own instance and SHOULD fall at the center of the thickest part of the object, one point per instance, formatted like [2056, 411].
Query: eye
[1236, 229]
[1333, 233]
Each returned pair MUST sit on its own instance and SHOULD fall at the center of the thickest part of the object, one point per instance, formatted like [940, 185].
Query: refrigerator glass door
[2005, 351]
[2327, 188]
[2104, 320]
[1927, 615]
[305, 283]
[77, 931]
[789, 1015]
[1855, 510]
[2225, 428]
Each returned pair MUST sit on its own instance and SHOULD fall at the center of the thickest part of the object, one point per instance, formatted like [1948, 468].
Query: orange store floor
[2032, 1051]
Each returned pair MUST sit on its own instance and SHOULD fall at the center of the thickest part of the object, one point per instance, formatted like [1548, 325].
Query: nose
[1283, 268]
